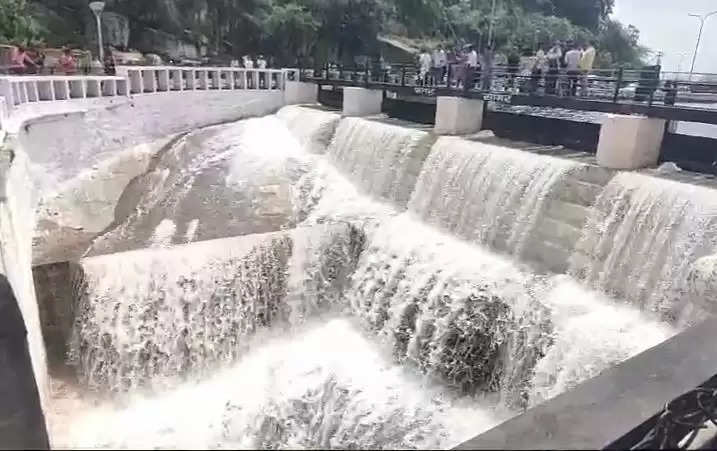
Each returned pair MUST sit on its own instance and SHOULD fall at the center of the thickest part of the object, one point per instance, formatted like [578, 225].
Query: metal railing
[647, 85]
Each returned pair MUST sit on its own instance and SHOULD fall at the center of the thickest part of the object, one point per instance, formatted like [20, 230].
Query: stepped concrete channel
[306, 280]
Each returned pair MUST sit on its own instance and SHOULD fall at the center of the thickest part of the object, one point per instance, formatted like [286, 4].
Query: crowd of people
[24, 61]
[559, 68]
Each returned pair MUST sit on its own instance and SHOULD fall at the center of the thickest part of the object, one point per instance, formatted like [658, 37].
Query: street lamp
[97, 8]
[702, 19]
[492, 24]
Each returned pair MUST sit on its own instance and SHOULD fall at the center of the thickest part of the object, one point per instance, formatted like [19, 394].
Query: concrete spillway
[301, 280]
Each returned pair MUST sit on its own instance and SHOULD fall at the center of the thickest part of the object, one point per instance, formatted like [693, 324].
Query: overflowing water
[641, 239]
[383, 160]
[387, 319]
[485, 194]
[326, 386]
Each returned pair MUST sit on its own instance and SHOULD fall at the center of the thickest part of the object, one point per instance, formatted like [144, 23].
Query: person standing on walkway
[20, 61]
[540, 66]
[487, 62]
[424, 66]
[572, 61]
[471, 68]
[67, 62]
[440, 61]
[513, 66]
[555, 55]
[586, 66]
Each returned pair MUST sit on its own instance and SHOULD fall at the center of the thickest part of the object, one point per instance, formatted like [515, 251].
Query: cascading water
[642, 237]
[384, 160]
[373, 330]
[313, 129]
[161, 313]
[481, 324]
[485, 194]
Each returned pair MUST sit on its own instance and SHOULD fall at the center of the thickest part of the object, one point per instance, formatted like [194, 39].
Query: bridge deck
[605, 94]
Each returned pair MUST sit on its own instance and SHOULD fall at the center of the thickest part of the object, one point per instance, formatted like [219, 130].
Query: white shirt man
[572, 59]
[425, 61]
[440, 60]
[248, 63]
[472, 59]
[261, 63]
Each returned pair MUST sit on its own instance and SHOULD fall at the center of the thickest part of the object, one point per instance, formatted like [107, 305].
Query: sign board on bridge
[428, 92]
[499, 98]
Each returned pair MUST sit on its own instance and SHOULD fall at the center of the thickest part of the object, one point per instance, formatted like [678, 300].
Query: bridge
[649, 92]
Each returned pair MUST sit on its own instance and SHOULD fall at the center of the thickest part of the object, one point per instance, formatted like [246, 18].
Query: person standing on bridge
[572, 61]
[555, 54]
[586, 66]
[471, 68]
[424, 63]
[440, 61]
[487, 62]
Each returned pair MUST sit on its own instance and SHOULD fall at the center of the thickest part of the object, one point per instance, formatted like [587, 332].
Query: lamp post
[492, 24]
[702, 19]
[97, 8]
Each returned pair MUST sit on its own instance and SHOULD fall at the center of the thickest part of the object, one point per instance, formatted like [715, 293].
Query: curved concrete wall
[60, 143]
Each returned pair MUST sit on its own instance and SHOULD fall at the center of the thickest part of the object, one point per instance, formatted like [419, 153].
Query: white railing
[151, 79]
[17, 91]
[20, 90]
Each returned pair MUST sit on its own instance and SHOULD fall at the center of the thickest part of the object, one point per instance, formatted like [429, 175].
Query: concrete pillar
[458, 116]
[362, 101]
[630, 142]
[296, 92]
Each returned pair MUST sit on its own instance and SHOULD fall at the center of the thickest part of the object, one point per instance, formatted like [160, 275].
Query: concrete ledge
[630, 142]
[607, 407]
[458, 116]
[362, 101]
[296, 92]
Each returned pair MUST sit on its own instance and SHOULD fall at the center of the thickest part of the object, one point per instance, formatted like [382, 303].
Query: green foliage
[620, 46]
[16, 24]
[340, 30]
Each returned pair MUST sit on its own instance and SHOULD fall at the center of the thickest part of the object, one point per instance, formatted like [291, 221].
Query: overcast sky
[664, 25]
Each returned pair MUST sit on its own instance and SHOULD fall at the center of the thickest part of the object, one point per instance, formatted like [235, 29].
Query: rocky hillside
[168, 27]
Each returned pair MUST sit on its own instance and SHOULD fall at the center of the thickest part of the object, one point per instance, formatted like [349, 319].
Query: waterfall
[312, 128]
[162, 313]
[641, 239]
[307, 389]
[486, 194]
[479, 323]
[383, 160]
[397, 315]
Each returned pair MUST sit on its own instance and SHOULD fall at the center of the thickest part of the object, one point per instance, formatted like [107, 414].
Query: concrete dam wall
[306, 280]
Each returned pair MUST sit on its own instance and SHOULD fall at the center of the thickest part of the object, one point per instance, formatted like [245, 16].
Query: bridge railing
[647, 85]
[19, 90]
[152, 79]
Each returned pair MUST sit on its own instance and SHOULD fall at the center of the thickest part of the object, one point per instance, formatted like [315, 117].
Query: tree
[16, 24]
[290, 32]
[619, 45]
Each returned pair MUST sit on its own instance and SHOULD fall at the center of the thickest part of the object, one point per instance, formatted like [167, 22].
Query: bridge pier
[362, 101]
[458, 116]
[297, 92]
[630, 142]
